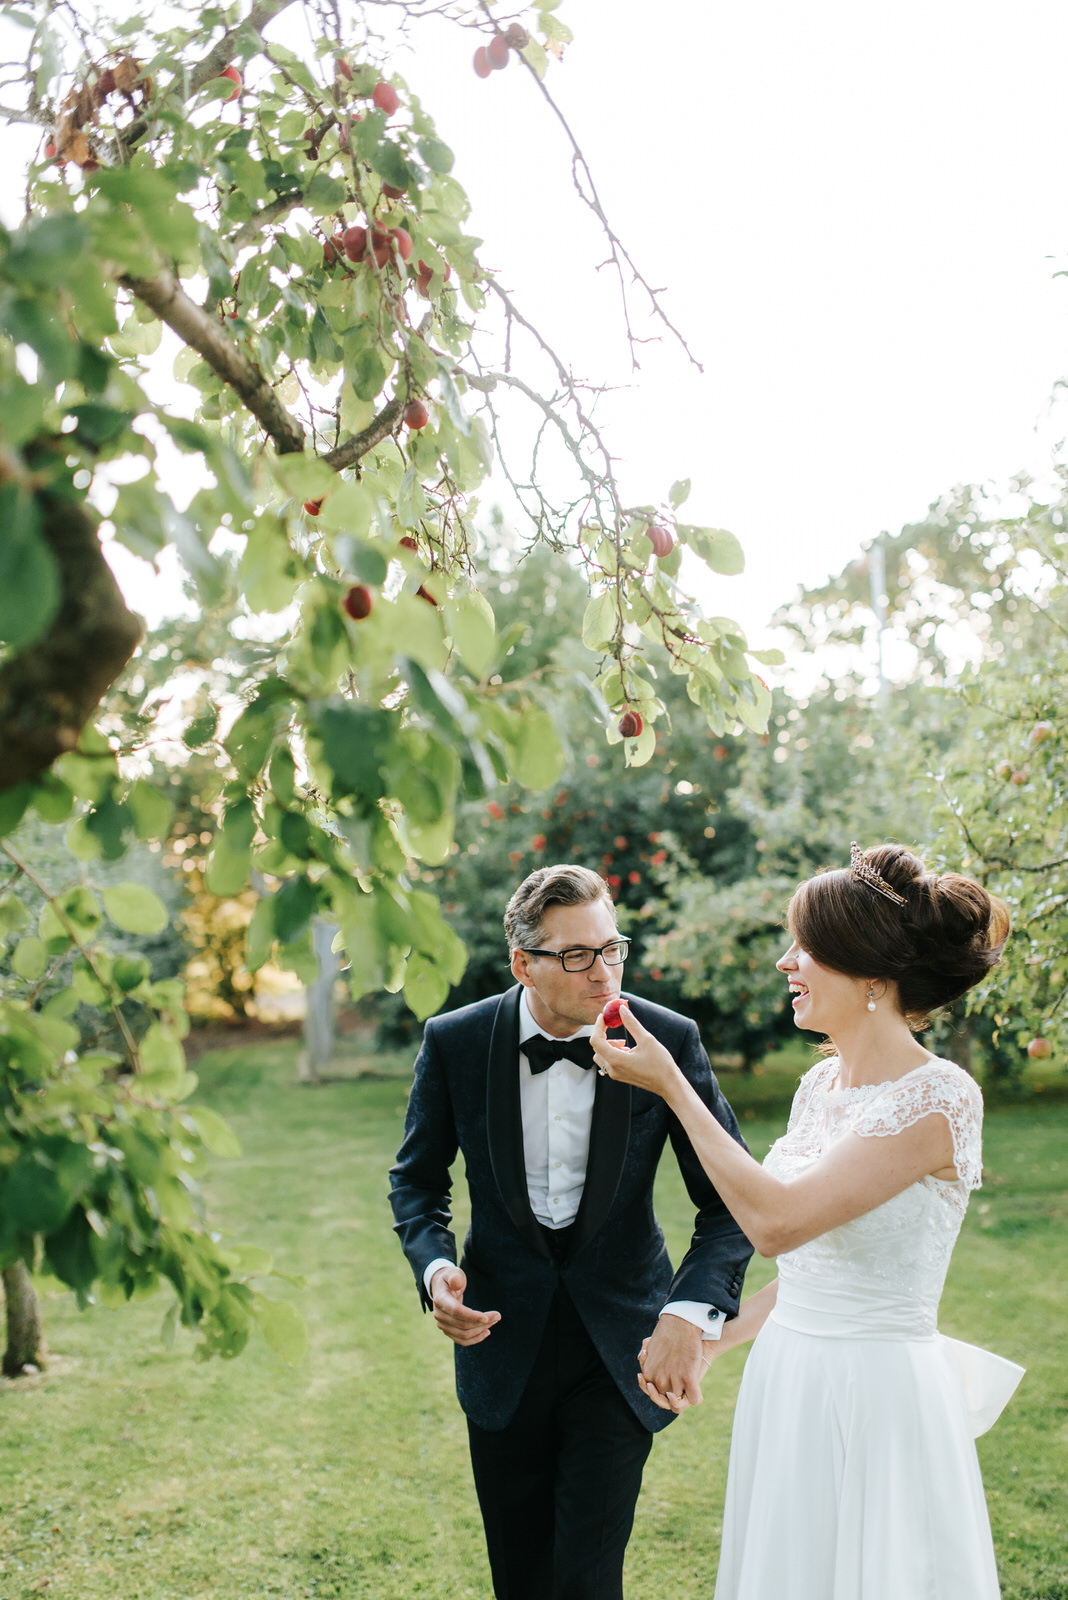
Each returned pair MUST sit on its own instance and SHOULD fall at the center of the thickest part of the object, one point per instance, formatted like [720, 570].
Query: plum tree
[272, 238]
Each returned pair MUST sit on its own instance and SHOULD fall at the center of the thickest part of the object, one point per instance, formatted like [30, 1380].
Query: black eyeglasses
[581, 959]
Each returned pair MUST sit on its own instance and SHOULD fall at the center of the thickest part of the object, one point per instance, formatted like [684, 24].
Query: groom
[564, 1270]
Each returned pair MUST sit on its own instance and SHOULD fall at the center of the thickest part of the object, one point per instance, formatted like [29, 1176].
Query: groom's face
[562, 1002]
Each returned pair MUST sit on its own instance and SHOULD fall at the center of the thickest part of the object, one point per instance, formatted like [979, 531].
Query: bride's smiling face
[821, 997]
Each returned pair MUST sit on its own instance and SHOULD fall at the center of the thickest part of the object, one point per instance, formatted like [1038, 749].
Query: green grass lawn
[132, 1473]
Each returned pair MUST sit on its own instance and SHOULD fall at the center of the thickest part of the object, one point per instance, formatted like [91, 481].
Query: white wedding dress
[853, 1472]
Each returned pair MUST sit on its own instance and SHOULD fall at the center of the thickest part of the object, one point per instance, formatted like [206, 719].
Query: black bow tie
[542, 1052]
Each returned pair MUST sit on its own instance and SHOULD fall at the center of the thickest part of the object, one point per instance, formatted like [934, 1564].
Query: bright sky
[858, 213]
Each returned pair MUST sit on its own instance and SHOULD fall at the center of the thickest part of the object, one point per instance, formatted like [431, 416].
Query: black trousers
[557, 1487]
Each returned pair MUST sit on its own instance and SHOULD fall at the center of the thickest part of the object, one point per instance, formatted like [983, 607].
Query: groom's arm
[420, 1179]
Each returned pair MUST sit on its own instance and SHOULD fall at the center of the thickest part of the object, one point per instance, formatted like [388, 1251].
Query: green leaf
[324, 194]
[80, 908]
[13, 803]
[679, 492]
[130, 972]
[216, 1134]
[162, 1061]
[426, 988]
[228, 868]
[53, 800]
[151, 810]
[137, 338]
[30, 959]
[347, 508]
[29, 575]
[269, 569]
[438, 157]
[135, 909]
[35, 1198]
[283, 1328]
[368, 374]
[245, 1259]
[201, 730]
[718, 549]
[471, 622]
[768, 658]
[354, 741]
[260, 935]
[69, 1252]
[303, 476]
[13, 915]
[537, 755]
[600, 621]
[294, 906]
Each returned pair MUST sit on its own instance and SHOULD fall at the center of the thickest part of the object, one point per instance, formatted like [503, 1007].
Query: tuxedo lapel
[609, 1132]
[504, 1120]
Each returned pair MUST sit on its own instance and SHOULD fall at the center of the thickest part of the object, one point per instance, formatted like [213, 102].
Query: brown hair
[935, 947]
[562, 885]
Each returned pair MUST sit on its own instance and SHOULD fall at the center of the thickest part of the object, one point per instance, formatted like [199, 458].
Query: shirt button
[556, 1119]
[556, 1199]
[558, 1163]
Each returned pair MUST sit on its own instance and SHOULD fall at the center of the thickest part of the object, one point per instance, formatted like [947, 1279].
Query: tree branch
[49, 691]
[349, 452]
[219, 56]
[165, 296]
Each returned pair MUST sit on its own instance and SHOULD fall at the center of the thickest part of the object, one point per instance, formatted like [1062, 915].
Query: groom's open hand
[459, 1322]
[671, 1364]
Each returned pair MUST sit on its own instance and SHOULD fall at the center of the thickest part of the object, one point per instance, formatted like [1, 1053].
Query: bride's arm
[854, 1176]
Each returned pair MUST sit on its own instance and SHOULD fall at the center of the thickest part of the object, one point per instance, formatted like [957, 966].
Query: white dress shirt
[557, 1112]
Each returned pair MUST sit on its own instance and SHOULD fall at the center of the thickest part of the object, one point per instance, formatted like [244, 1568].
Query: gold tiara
[861, 871]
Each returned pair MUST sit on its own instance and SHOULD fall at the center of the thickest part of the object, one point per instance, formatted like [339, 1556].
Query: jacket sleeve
[713, 1268]
[420, 1180]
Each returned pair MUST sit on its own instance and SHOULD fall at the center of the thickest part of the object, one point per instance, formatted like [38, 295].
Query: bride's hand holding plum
[645, 1063]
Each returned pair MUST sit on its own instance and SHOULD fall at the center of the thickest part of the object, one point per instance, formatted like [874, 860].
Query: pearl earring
[871, 998]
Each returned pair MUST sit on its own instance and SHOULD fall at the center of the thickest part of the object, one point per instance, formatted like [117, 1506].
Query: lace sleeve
[941, 1086]
[816, 1076]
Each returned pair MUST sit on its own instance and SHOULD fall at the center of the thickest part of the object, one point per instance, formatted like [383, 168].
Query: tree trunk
[50, 690]
[24, 1344]
[319, 1018]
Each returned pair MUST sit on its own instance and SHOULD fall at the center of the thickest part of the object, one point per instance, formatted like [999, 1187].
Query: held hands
[645, 1063]
[457, 1321]
[672, 1362]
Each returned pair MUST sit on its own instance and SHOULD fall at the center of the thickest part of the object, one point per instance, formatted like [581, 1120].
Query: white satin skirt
[853, 1473]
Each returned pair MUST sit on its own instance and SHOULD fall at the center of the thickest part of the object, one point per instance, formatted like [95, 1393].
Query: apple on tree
[385, 98]
[1039, 1049]
[630, 724]
[235, 78]
[415, 415]
[662, 540]
[359, 602]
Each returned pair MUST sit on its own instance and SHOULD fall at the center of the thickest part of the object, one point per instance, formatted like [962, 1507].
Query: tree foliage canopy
[278, 223]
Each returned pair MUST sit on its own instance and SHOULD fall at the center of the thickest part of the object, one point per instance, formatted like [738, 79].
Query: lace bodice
[884, 1270]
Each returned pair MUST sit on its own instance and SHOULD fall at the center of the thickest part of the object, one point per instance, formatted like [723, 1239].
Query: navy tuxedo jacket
[466, 1096]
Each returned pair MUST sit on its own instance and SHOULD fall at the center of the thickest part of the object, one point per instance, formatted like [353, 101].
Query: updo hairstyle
[935, 947]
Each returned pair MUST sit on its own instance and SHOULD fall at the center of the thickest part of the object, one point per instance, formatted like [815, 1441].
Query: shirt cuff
[701, 1314]
[443, 1261]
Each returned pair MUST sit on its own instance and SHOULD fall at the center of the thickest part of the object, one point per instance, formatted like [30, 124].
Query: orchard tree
[1003, 792]
[289, 214]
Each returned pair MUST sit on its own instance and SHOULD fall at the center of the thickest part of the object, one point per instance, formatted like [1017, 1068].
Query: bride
[853, 1473]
